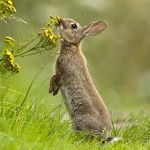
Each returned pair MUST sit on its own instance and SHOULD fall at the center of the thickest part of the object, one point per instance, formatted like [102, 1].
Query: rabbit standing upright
[84, 104]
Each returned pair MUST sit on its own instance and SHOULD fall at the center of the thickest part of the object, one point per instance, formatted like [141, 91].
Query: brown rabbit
[84, 104]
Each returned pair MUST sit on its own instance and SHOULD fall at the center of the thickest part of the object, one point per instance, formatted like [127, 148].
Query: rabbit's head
[72, 32]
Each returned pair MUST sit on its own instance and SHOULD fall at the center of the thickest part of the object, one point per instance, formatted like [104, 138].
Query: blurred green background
[118, 59]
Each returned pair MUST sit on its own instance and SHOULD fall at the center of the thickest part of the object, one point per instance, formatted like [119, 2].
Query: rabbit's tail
[111, 140]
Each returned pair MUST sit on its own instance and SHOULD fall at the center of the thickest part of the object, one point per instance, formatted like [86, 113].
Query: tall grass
[29, 122]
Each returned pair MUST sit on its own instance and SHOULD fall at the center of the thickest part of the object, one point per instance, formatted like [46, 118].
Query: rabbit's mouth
[60, 30]
[61, 27]
[61, 24]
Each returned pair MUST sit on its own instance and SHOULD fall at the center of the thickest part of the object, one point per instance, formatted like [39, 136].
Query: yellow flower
[9, 40]
[51, 37]
[54, 20]
[10, 2]
[57, 20]
[8, 53]
[17, 68]
[13, 9]
[6, 8]
[50, 32]
[9, 61]
[46, 32]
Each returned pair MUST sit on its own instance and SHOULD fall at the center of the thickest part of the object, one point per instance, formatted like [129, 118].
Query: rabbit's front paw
[54, 87]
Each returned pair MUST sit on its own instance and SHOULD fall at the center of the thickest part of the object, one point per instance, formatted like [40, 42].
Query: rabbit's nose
[62, 20]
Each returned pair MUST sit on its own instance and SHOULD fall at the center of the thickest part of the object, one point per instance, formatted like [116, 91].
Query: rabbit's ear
[94, 28]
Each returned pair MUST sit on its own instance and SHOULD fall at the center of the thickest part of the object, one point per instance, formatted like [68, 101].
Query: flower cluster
[6, 8]
[7, 64]
[53, 21]
[44, 41]
[50, 35]
[8, 60]
[48, 31]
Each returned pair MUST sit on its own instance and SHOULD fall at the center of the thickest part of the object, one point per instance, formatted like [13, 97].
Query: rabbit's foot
[54, 87]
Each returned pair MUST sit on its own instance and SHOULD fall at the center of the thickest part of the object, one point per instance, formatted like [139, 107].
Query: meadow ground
[28, 121]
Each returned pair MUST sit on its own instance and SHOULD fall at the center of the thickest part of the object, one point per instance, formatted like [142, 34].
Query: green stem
[24, 47]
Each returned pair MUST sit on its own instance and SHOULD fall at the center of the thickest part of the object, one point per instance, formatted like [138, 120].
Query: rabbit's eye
[74, 26]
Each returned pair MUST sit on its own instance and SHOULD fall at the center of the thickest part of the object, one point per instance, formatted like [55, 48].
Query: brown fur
[84, 104]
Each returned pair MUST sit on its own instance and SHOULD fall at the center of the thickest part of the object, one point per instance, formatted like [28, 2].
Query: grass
[30, 122]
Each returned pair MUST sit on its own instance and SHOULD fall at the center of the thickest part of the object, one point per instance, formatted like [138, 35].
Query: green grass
[30, 122]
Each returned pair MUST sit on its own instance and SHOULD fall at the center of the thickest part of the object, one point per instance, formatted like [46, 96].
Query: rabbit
[83, 102]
